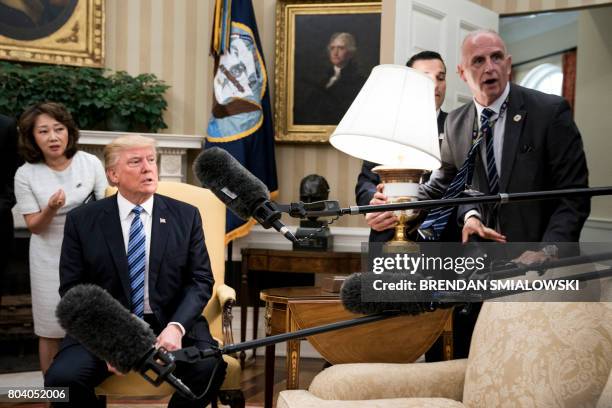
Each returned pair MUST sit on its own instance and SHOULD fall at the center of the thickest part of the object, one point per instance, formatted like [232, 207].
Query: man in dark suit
[536, 146]
[147, 251]
[8, 166]
[368, 190]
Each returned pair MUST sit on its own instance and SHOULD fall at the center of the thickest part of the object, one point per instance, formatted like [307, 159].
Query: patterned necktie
[136, 261]
[436, 220]
[487, 132]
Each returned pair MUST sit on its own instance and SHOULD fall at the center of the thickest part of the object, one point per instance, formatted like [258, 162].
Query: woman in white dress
[55, 179]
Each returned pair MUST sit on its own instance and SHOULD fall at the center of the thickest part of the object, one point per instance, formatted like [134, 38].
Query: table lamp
[392, 122]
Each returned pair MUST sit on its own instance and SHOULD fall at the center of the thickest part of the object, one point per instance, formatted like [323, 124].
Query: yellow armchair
[218, 311]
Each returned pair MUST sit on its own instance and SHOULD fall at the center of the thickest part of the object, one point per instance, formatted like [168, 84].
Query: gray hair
[348, 40]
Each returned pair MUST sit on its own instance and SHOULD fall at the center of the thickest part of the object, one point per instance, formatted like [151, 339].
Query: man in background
[368, 190]
[9, 161]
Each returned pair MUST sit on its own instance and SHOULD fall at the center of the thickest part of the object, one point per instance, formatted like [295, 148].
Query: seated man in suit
[147, 251]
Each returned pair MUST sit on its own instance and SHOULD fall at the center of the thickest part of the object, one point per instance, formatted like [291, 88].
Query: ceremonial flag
[241, 120]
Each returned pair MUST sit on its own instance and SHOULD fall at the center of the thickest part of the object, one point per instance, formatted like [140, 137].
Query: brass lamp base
[401, 186]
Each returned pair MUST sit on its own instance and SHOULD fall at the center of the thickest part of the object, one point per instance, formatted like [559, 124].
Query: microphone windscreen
[350, 295]
[104, 327]
[237, 187]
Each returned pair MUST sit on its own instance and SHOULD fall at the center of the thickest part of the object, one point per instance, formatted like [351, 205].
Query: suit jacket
[180, 278]
[316, 104]
[366, 187]
[9, 161]
[542, 150]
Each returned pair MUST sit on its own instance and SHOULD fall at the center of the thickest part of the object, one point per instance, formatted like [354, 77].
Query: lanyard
[476, 128]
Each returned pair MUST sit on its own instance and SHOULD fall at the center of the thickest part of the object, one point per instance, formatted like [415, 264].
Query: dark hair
[28, 148]
[425, 55]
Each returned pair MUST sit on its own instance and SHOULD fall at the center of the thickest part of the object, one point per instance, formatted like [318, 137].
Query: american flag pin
[162, 220]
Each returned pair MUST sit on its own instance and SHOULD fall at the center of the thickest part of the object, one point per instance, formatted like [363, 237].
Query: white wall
[555, 40]
[592, 110]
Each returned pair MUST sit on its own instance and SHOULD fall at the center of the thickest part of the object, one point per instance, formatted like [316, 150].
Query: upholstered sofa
[522, 355]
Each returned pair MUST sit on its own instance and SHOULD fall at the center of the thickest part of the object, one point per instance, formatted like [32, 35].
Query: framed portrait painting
[69, 32]
[324, 54]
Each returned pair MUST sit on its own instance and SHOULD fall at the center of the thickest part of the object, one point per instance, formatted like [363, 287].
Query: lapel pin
[162, 220]
[517, 118]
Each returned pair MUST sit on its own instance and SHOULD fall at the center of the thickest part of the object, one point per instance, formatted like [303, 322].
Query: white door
[438, 25]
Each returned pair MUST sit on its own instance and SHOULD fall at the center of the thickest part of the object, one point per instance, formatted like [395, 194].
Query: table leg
[293, 361]
[447, 339]
[244, 303]
[269, 376]
[255, 323]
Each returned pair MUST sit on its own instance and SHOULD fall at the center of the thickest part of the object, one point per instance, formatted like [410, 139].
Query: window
[546, 78]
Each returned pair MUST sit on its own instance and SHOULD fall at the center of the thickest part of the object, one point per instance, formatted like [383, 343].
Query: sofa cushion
[539, 355]
[304, 399]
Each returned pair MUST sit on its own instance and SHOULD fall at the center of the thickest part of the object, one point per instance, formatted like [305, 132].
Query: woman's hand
[57, 200]
[39, 222]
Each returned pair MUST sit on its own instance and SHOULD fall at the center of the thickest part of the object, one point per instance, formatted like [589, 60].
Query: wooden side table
[268, 260]
[400, 339]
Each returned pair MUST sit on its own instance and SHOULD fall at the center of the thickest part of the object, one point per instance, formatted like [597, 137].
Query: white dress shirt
[498, 136]
[126, 216]
[498, 130]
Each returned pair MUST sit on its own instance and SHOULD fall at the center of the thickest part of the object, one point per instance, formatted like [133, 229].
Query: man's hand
[383, 220]
[473, 225]
[170, 338]
[534, 258]
[112, 369]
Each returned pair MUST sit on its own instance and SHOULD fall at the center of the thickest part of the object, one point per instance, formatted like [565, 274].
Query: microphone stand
[332, 208]
[162, 362]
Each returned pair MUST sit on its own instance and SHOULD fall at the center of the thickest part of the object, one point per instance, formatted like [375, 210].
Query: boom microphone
[107, 329]
[350, 295]
[240, 190]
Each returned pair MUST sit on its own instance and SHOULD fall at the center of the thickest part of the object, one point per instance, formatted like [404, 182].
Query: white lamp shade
[392, 121]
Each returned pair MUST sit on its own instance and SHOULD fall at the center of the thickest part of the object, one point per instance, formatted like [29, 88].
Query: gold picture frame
[67, 32]
[304, 33]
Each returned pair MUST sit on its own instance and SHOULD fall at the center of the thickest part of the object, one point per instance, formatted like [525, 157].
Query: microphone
[350, 295]
[238, 188]
[108, 330]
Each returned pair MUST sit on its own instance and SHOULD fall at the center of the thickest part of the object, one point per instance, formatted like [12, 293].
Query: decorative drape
[569, 76]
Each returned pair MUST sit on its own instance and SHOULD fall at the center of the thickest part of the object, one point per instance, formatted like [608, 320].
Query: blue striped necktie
[486, 131]
[436, 220]
[136, 261]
